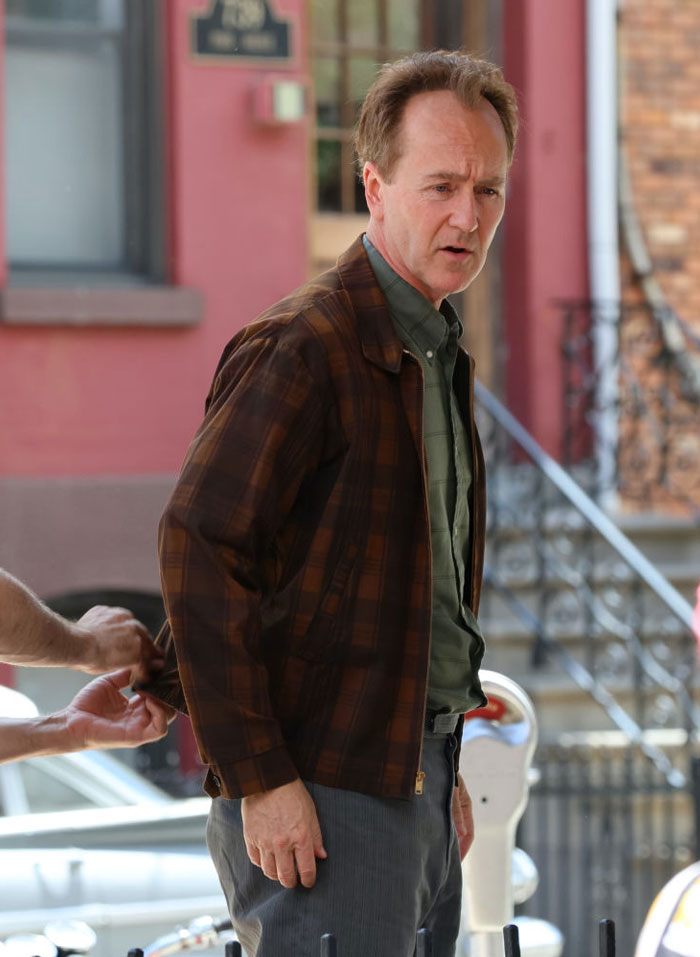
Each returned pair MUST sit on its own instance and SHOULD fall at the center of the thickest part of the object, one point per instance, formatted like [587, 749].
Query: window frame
[141, 86]
[140, 293]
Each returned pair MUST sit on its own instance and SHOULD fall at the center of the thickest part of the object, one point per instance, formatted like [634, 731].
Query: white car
[83, 837]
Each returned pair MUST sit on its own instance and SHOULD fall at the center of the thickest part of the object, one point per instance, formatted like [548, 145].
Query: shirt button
[429, 354]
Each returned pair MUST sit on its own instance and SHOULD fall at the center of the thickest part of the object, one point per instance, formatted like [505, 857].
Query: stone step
[562, 707]
[663, 539]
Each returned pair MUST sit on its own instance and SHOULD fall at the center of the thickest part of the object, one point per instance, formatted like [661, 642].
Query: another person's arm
[103, 639]
[98, 717]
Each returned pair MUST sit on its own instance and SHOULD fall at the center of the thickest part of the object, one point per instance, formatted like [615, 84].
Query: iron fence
[631, 395]
[603, 643]
[607, 831]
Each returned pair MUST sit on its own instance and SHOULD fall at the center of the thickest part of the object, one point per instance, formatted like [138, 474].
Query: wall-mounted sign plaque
[235, 29]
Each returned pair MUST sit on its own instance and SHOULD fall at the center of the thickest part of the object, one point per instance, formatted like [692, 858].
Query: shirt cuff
[261, 772]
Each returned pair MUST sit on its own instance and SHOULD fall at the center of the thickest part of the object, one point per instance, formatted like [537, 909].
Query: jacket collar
[380, 343]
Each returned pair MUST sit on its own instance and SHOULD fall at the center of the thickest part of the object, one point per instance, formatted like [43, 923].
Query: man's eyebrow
[444, 174]
[497, 180]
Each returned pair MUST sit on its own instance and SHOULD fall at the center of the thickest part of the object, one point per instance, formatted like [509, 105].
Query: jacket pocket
[332, 617]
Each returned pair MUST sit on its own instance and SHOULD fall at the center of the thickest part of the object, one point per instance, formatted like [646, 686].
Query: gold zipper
[420, 776]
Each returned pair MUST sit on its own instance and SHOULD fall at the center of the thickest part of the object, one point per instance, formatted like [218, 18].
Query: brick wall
[659, 46]
[660, 121]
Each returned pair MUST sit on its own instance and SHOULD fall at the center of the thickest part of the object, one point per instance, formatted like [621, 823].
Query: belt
[438, 723]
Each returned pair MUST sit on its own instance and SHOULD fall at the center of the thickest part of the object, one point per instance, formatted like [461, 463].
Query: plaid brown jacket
[295, 550]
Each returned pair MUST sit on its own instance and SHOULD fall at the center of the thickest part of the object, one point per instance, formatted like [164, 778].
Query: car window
[45, 792]
[62, 782]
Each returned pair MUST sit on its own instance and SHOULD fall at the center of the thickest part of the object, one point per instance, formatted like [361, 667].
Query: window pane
[81, 10]
[404, 24]
[46, 793]
[63, 141]
[324, 15]
[363, 28]
[328, 170]
[362, 73]
[327, 90]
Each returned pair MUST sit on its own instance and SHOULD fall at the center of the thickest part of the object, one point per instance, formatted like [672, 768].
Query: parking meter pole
[424, 943]
[511, 941]
[328, 946]
[606, 938]
[486, 944]
[497, 750]
[232, 949]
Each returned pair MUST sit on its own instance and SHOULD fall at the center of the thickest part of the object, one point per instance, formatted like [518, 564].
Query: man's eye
[488, 191]
[442, 188]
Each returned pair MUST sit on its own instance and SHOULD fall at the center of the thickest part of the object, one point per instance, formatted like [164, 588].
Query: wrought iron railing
[576, 614]
[631, 390]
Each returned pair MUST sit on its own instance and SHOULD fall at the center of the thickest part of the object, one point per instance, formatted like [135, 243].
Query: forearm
[30, 737]
[32, 634]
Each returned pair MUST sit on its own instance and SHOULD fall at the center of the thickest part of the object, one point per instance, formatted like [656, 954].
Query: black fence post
[424, 943]
[695, 774]
[511, 940]
[606, 938]
[328, 946]
[233, 949]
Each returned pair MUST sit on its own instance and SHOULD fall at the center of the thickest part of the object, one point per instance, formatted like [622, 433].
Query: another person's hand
[100, 716]
[117, 639]
[462, 814]
[282, 834]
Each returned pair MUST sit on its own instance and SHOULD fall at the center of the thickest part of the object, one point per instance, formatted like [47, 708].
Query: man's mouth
[457, 250]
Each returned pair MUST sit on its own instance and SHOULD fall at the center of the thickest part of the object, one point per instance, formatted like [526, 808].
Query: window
[350, 41]
[82, 140]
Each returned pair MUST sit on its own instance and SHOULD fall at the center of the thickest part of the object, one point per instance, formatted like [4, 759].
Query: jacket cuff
[262, 772]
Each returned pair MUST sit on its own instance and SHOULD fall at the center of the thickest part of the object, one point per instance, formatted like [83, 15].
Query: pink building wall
[545, 238]
[123, 401]
[95, 419]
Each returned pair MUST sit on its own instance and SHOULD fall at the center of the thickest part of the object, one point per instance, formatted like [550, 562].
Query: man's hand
[282, 834]
[101, 717]
[117, 639]
[462, 814]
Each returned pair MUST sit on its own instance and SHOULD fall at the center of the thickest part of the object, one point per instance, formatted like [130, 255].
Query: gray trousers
[393, 867]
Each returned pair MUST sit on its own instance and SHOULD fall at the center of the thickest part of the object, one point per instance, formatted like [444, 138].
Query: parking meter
[498, 743]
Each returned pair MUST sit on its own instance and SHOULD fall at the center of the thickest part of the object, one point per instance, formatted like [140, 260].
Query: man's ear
[374, 187]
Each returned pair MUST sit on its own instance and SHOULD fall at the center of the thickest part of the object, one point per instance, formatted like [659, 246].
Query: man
[322, 552]
[99, 716]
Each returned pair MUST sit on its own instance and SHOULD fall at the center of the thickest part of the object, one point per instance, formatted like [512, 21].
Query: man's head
[435, 140]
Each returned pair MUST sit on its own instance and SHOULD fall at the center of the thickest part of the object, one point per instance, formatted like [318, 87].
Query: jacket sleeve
[261, 435]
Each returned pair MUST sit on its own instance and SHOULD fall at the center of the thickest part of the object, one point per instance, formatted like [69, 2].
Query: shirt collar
[414, 315]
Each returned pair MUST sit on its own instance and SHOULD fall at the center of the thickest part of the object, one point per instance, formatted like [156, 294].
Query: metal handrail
[586, 681]
[584, 504]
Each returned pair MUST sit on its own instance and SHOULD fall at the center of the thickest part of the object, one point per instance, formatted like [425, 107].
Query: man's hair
[470, 79]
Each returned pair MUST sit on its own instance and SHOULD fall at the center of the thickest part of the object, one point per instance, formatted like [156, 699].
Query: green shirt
[432, 336]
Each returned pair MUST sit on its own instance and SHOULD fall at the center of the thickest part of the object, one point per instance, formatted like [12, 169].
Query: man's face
[434, 219]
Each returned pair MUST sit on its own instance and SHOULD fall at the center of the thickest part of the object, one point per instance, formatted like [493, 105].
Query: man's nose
[464, 213]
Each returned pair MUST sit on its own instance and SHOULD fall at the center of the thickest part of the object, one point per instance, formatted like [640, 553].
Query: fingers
[306, 865]
[160, 714]
[119, 679]
[289, 867]
[285, 867]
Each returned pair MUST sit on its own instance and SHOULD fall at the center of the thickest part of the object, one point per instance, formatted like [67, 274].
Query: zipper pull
[420, 777]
